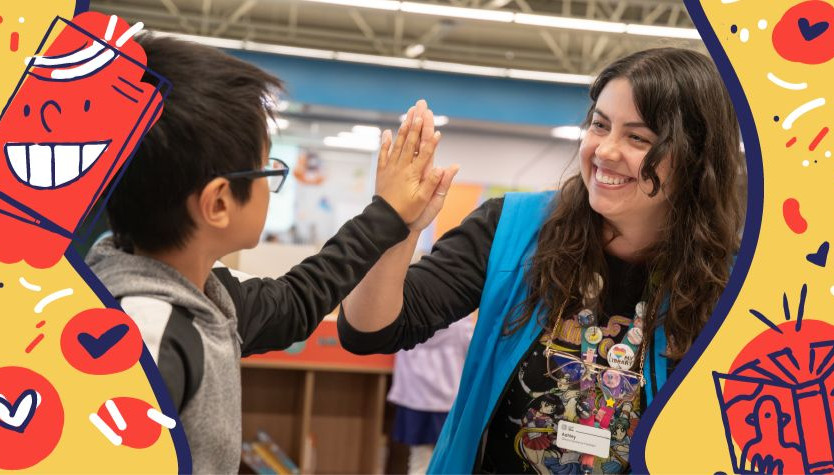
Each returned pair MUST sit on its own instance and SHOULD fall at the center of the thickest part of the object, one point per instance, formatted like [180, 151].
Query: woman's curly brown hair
[681, 97]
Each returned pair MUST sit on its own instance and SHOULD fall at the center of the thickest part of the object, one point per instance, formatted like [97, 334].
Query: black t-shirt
[521, 438]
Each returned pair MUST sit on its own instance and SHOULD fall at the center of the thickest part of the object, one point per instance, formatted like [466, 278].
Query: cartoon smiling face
[76, 117]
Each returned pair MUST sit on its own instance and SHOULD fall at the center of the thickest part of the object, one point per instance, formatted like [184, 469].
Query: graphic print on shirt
[573, 395]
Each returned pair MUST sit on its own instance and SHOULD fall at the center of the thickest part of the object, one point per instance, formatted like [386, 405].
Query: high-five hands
[406, 177]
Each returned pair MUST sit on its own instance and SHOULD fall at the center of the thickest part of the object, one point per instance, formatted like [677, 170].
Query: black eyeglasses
[275, 170]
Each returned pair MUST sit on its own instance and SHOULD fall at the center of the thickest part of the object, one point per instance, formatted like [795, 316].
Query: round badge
[611, 379]
[620, 356]
[593, 335]
[635, 336]
[640, 309]
[586, 318]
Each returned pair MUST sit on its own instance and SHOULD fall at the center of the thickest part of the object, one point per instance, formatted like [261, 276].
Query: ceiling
[320, 24]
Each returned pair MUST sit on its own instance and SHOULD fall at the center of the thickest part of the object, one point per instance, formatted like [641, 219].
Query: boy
[196, 191]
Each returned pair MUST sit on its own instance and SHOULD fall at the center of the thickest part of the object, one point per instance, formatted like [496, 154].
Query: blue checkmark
[97, 347]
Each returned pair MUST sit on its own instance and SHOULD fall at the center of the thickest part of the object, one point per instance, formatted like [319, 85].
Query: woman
[645, 234]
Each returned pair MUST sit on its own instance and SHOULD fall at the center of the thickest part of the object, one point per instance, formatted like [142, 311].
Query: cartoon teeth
[52, 165]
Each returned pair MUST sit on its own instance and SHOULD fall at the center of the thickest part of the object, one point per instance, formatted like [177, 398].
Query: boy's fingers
[446, 182]
[382, 159]
[396, 148]
[407, 154]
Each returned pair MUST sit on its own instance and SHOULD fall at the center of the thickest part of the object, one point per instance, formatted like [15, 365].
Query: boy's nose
[46, 112]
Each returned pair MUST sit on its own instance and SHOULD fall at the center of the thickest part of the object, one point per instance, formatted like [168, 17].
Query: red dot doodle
[101, 341]
[804, 34]
[135, 428]
[33, 419]
[793, 218]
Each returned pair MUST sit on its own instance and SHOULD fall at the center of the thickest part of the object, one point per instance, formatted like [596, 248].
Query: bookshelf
[325, 407]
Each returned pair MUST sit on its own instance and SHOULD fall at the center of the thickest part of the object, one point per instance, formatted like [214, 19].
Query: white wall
[507, 160]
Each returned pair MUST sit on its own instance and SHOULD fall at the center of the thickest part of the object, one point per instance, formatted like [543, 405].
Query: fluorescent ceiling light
[380, 60]
[352, 142]
[439, 120]
[415, 50]
[386, 60]
[665, 31]
[366, 130]
[464, 68]
[567, 132]
[548, 21]
[569, 23]
[457, 12]
[376, 4]
[288, 50]
[550, 77]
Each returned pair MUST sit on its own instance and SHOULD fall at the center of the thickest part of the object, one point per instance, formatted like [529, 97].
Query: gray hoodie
[198, 337]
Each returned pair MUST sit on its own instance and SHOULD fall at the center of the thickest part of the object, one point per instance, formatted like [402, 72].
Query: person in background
[426, 380]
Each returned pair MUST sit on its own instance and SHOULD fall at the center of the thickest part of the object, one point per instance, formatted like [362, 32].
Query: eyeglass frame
[594, 367]
[263, 172]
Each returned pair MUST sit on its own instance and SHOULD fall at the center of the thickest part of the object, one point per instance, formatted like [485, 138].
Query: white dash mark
[115, 414]
[111, 27]
[801, 110]
[32, 287]
[744, 35]
[105, 429]
[51, 298]
[130, 33]
[762, 24]
[161, 419]
[794, 86]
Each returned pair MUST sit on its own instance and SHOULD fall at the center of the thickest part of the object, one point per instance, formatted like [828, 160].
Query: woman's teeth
[610, 180]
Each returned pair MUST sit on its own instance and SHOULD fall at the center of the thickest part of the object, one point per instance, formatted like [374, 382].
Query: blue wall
[387, 89]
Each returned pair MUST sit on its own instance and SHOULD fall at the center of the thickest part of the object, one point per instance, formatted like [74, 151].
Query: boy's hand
[400, 177]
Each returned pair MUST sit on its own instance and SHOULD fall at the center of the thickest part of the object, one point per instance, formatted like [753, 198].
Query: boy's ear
[214, 203]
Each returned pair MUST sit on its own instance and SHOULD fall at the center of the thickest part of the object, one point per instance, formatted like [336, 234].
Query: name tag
[583, 439]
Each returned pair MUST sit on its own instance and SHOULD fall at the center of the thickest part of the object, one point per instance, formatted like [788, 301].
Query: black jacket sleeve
[275, 313]
[440, 289]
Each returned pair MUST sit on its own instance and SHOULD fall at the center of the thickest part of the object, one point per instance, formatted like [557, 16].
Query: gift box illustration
[776, 401]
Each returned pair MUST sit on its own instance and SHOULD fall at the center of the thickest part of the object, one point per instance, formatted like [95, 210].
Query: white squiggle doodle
[51, 298]
[794, 86]
[30, 286]
[161, 419]
[105, 429]
[801, 110]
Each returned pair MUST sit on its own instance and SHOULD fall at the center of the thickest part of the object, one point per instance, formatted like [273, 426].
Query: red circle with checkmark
[31, 418]
[805, 34]
[101, 341]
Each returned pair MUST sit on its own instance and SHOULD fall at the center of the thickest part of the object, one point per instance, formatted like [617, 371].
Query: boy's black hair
[214, 121]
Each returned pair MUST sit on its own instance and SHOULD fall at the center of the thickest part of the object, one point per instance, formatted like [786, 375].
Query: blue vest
[492, 357]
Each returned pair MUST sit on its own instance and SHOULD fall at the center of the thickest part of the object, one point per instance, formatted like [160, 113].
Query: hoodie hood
[127, 275]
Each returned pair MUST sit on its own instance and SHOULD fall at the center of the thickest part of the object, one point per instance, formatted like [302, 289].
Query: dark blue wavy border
[166, 405]
[752, 228]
